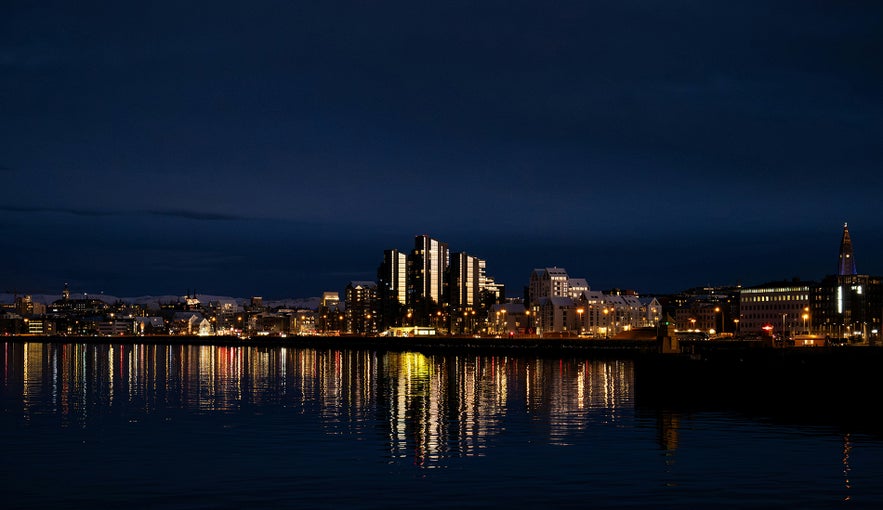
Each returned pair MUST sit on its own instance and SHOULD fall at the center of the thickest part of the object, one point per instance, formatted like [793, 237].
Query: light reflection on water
[205, 426]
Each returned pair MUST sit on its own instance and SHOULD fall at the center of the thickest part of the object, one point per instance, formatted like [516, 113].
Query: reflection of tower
[668, 425]
[847, 446]
[847, 260]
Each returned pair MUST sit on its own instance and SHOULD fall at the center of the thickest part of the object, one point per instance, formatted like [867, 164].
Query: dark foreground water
[155, 426]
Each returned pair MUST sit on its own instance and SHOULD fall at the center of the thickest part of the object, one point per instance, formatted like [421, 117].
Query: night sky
[277, 148]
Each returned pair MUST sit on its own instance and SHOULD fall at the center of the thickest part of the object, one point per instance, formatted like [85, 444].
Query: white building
[548, 282]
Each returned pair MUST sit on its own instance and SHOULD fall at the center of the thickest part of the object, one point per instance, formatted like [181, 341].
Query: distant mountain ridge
[154, 302]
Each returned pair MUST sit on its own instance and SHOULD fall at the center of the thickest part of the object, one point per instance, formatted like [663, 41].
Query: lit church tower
[847, 261]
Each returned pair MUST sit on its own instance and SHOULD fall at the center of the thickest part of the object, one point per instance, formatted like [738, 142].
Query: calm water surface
[184, 427]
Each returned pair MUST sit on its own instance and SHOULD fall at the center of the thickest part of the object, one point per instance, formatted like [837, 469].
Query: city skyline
[278, 149]
[845, 250]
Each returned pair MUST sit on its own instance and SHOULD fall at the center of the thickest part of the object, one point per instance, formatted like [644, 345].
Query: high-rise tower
[847, 260]
[465, 283]
[428, 264]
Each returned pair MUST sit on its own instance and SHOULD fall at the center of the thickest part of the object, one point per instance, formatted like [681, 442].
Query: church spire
[847, 260]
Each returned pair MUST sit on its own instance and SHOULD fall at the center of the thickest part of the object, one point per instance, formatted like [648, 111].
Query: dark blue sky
[277, 148]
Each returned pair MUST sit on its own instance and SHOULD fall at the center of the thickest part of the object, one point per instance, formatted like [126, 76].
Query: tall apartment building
[432, 286]
[427, 266]
[361, 307]
[392, 275]
[392, 287]
[465, 282]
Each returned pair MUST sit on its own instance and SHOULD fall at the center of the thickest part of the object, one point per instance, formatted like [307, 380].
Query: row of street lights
[580, 311]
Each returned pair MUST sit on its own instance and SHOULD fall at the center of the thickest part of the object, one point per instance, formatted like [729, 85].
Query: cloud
[197, 215]
[76, 212]
[182, 214]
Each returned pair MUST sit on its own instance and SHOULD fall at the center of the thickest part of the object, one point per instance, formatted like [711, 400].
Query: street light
[717, 309]
[692, 324]
[736, 326]
[606, 324]
[805, 316]
[580, 312]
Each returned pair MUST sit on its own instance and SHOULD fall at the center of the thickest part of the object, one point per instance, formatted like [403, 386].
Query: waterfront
[203, 426]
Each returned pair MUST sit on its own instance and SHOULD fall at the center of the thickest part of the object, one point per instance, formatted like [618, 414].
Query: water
[201, 427]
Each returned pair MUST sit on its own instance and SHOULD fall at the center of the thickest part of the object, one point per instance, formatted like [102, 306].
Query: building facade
[361, 307]
[776, 308]
[465, 281]
[546, 283]
[392, 288]
[426, 271]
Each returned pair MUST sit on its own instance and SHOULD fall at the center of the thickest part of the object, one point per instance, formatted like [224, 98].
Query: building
[849, 305]
[576, 287]
[508, 319]
[555, 315]
[776, 308]
[426, 271]
[596, 314]
[392, 288]
[361, 307]
[603, 315]
[433, 287]
[845, 306]
[846, 259]
[546, 283]
[330, 317]
[465, 282]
